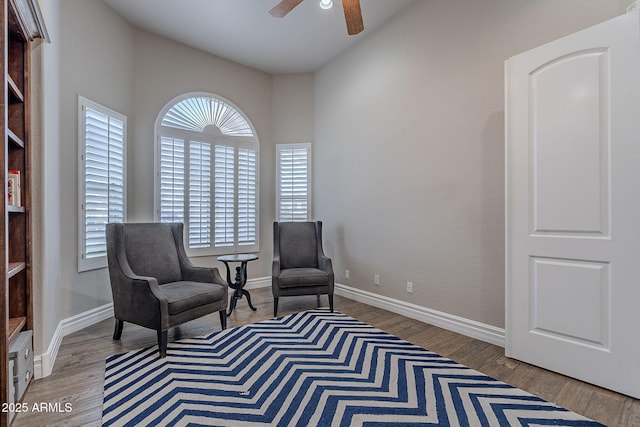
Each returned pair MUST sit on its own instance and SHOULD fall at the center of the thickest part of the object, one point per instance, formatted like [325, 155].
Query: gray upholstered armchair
[300, 266]
[153, 282]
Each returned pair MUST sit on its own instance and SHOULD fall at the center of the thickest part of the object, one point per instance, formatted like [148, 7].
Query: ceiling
[244, 32]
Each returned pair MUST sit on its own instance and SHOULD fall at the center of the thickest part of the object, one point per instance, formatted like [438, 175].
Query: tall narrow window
[208, 174]
[293, 182]
[102, 181]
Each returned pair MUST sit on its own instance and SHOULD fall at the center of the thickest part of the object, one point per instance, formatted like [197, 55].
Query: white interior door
[573, 205]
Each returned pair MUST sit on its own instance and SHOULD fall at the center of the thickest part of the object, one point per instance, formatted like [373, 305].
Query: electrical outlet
[376, 279]
[409, 287]
[346, 274]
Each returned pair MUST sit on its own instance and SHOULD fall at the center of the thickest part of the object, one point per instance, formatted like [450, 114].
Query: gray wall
[45, 180]
[91, 54]
[165, 69]
[292, 108]
[406, 130]
[96, 54]
[409, 137]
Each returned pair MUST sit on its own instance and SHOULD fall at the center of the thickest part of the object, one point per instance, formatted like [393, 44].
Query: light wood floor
[78, 374]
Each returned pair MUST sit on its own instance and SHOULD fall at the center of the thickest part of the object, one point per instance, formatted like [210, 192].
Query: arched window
[207, 173]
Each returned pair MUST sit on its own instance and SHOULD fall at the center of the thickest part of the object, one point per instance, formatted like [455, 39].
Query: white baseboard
[470, 328]
[461, 325]
[43, 364]
[259, 282]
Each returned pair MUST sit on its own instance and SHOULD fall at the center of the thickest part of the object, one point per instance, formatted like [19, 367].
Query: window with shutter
[102, 136]
[293, 182]
[207, 174]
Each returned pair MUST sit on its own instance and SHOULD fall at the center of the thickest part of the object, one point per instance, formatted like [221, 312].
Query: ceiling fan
[352, 13]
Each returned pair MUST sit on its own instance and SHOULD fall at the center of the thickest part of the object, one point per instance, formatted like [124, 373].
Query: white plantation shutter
[294, 182]
[211, 141]
[246, 197]
[198, 112]
[199, 195]
[172, 179]
[225, 196]
[102, 136]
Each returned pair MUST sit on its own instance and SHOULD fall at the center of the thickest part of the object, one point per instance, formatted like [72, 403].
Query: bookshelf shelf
[15, 139]
[16, 209]
[15, 268]
[15, 94]
[15, 325]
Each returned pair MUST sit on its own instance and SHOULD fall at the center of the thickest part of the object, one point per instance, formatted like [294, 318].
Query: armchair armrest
[188, 270]
[137, 299]
[325, 264]
[275, 266]
[202, 274]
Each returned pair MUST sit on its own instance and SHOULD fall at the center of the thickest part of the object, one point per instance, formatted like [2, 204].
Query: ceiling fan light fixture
[352, 12]
[326, 4]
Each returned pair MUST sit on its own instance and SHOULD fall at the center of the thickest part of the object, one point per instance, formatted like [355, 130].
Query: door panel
[569, 119]
[554, 286]
[573, 205]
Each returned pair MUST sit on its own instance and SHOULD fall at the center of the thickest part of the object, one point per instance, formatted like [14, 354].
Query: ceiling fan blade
[284, 7]
[353, 16]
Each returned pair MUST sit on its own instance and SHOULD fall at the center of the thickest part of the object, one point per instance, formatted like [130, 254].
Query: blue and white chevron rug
[311, 369]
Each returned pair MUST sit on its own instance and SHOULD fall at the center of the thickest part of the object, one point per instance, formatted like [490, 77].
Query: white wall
[292, 118]
[90, 54]
[406, 130]
[409, 148]
[45, 190]
[280, 108]
[292, 108]
[165, 69]
[96, 54]
[96, 61]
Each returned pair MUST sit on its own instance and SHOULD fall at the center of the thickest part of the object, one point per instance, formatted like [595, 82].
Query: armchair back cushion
[298, 245]
[151, 251]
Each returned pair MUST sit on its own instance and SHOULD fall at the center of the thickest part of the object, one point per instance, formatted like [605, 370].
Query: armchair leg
[117, 332]
[331, 302]
[162, 343]
[223, 318]
[275, 307]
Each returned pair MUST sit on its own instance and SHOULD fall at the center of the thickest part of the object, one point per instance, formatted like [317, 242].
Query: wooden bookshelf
[21, 24]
